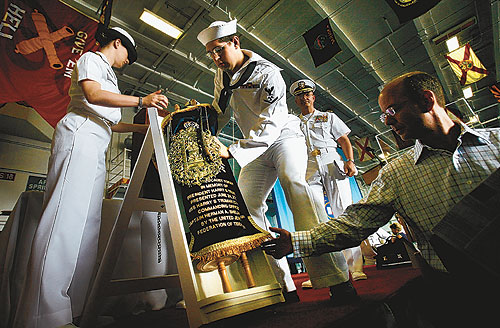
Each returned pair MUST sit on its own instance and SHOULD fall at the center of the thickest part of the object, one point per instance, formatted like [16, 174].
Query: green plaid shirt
[421, 185]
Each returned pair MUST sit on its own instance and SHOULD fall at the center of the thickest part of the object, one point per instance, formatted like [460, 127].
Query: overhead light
[160, 24]
[452, 44]
[467, 92]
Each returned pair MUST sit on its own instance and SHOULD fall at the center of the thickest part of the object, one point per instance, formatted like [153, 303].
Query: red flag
[40, 42]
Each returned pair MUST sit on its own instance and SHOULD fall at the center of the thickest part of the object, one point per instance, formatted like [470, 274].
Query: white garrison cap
[217, 30]
[302, 86]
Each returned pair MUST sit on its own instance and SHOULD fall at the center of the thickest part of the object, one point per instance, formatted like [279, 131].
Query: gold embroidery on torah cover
[218, 219]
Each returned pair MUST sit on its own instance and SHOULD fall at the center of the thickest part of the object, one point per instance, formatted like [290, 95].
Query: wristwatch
[349, 160]
[140, 103]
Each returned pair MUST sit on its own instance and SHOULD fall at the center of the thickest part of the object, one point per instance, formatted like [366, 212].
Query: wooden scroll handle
[226, 286]
[248, 272]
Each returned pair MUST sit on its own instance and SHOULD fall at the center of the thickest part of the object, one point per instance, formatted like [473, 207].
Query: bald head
[413, 85]
[413, 105]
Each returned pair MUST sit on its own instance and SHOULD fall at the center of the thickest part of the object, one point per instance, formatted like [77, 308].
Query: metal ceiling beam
[338, 32]
[495, 24]
[173, 79]
[426, 38]
[188, 58]
[149, 88]
[162, 57]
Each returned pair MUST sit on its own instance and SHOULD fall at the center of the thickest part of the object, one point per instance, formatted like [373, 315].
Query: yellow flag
[466, 65]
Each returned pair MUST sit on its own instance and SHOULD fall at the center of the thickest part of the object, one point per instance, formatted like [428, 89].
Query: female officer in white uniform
[65, 244]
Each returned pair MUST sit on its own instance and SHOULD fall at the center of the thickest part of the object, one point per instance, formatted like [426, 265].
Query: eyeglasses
[391, 111]
[388, 112]
[216, 50]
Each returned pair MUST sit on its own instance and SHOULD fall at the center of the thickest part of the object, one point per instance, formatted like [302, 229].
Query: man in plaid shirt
[448, 161]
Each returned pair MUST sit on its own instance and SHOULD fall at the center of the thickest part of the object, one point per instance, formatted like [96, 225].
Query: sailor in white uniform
[273, 145]
[326, 171]
[64, 248]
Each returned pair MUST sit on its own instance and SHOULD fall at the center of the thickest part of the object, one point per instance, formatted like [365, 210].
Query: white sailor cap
[127, 41]
[217, 30]
[302, 86]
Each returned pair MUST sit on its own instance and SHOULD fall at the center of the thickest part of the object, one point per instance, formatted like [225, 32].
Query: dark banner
[40, 42]
[410, 9]
[219, 222]
[321, 42]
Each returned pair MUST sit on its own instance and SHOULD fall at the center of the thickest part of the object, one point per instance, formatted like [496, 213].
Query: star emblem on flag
[466, 65]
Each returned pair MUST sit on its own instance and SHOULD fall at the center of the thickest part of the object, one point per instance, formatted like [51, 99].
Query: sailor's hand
[350, 169]
[155, 99]
[223, 150]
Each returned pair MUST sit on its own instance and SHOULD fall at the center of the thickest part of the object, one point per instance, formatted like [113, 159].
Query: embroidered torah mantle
[219, 222]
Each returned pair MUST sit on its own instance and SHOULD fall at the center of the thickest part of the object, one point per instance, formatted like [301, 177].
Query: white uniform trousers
[338, 190]
[286, 159]
[64, 248]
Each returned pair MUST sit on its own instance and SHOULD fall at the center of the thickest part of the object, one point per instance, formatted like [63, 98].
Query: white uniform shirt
[95, 67]
[322, 129]
[260, 109]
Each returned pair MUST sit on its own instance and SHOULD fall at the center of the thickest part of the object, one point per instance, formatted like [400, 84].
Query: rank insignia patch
[321, 118]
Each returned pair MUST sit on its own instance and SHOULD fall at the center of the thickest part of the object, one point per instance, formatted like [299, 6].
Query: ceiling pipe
[173, 79]
[188, 58]
[149, 87]
[164, 55]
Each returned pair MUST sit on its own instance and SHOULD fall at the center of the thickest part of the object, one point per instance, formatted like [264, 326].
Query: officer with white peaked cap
[64, 247]
[326, 172]
[273, 145]
[302, 86]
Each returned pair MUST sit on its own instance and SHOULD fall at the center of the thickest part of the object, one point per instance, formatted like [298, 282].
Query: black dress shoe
[291, 297]
[343, 294]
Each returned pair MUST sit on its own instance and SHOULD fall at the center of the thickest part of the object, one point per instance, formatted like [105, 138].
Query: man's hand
[350, 168]
[223, 150]
[155, 99]
[278, 247]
